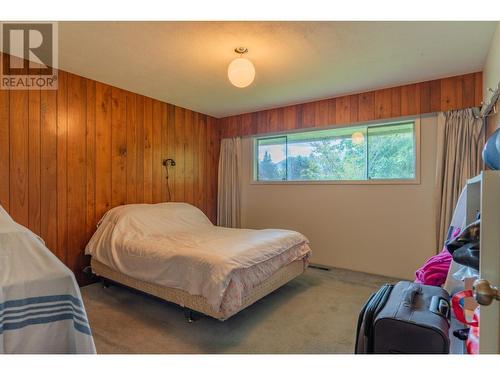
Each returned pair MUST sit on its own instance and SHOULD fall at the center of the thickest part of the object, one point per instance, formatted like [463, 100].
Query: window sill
[346, 182]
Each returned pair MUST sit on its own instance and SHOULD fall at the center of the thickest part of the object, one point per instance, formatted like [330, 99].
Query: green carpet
[315, 313]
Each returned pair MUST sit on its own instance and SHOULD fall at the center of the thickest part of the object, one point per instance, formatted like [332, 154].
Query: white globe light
[241, 72]
[357, 138]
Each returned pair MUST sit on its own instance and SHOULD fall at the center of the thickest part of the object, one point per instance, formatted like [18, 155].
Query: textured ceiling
[185, 63]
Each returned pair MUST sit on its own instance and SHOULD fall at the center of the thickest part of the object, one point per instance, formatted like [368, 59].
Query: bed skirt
[196, 302]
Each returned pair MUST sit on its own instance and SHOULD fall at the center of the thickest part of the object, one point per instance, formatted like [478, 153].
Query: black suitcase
[406, 318]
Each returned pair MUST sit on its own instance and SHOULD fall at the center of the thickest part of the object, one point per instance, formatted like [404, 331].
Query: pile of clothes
[435, 269]
[462, 246]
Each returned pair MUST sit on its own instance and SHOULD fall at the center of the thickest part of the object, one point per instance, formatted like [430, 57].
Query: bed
[173, 251]
[41, 310]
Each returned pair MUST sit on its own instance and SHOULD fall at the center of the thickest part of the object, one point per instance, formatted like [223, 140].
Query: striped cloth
[19, 313]
[41, 310]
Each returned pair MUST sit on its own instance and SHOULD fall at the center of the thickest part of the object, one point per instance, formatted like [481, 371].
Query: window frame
[400, 181]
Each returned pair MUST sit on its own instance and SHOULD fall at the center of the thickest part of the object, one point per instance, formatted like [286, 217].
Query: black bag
[465, 247]
[405, 318]
[469, 235]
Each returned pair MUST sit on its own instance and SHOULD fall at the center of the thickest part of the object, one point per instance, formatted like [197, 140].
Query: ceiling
[185, 63]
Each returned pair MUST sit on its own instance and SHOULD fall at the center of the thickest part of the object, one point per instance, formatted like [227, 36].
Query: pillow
[160, 218]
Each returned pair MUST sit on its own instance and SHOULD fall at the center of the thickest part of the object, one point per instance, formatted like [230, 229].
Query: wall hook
[169, 163]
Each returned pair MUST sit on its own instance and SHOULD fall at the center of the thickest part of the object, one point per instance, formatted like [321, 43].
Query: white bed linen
[175, 245]
[41, 310]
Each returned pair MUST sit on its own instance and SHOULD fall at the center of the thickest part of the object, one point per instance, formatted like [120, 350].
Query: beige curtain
[228, 202]
[460, 140]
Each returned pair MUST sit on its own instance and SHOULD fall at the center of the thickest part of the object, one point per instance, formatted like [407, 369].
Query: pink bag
[435, 269]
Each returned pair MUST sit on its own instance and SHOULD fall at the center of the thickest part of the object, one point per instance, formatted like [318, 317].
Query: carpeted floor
[315, 313]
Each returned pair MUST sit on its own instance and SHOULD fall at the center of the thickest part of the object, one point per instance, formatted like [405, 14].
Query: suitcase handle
[410, 294]
[440, 306]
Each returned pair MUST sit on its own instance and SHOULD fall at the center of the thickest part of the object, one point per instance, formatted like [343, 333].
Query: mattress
[174, 245]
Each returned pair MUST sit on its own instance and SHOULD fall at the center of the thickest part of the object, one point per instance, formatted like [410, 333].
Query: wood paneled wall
[68, 156]
[425, 97]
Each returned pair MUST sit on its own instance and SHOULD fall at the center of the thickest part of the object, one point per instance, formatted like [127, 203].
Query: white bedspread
[175, 245]
[41, 310]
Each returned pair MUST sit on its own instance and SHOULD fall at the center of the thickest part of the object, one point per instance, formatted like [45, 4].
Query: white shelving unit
[483, 196]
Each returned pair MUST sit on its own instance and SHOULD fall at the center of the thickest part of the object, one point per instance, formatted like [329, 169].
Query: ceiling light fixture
[241, 71]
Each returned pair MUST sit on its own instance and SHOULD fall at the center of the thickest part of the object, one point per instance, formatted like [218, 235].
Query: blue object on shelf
[491, 151]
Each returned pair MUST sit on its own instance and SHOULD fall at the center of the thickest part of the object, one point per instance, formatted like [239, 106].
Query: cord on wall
[168, 163]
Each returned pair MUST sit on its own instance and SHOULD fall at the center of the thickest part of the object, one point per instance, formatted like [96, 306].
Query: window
[355, 153]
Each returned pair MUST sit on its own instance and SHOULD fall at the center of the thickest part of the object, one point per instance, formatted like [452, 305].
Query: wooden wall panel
[449, 88]
[102, 150]
[179, 155]
[308, 115]
[170, 182]
[118, 147]
[435, 95]
[395, 102]
[48, 168]
[332, 111]
[354, 105]
[62, 166]
[289, 116]
[19, 156]
[131, 124]
[366, 106]
[468, 90]
[343, 110]
[68, 156]
[4, 149]
[188, 157]
[148, 151]
[77, 171]
[34, 161]
[212, 162]
[139, 115]
[383, 104]
[410, 100]
[156, 152]
[91, 220]
[165, 133]
[274, 124]
[426, 97]
[201, 170]
[246, 123]
[478, 87]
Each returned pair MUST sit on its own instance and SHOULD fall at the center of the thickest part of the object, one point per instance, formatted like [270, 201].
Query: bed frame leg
[189, 314]
[105, 283]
